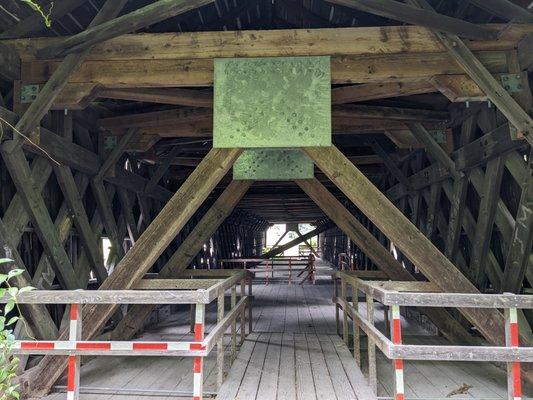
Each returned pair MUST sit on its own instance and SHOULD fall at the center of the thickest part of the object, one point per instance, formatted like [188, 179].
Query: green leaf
[5, 260]
[27, 289]
[12, 321]
[13, 291]
[3, 278]
[9, 307]
[14, 272]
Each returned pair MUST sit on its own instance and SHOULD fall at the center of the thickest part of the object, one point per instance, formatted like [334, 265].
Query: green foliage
[38, 9]
[8, 363]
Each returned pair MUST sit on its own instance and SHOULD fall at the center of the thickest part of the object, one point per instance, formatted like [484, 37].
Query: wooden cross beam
[416, 16]
[433, 264]
[505, 9]
[382, 258]
[518, 254]
[47, 95]
[135, 20]
[184, 255]
[142, 255]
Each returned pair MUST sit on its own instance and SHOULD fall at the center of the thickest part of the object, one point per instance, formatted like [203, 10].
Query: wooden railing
[196, 292]
[394, 295]
[269, 266]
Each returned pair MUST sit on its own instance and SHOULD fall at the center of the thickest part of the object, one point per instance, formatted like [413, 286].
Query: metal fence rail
[197, 292]
[394, 295]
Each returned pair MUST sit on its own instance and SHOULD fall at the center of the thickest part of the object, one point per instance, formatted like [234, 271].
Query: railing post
[198, 371]
[372, 373]
[290, 270]
[396, 332]
[336, 294]
[250, 300]
[243, 313]
[514, 385]
[220, 342]
[344, 313]
[73, 374]
[233, 324]
[355, 325]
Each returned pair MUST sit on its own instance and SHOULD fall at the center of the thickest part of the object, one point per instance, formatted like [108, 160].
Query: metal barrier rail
[416, 294]
[199, 348]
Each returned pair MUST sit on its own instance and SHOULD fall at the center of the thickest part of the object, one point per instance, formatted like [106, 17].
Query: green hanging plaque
[272, 102]
[273, 164]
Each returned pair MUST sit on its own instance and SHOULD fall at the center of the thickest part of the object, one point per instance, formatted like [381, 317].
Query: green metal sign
[273, 164]
[272, 102]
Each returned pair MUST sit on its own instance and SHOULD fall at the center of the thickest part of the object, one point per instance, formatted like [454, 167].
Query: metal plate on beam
[273, 164]
[272, 102]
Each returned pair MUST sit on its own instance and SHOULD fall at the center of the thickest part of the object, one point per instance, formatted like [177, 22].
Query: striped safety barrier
[512, 340]
[396, 331]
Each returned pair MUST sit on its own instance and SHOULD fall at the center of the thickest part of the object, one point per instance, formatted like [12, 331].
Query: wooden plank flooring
[290, 355]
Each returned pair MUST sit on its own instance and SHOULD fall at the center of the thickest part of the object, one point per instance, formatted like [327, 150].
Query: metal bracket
[110, 142]
[439, 136]
[28, 93]
[512, 82]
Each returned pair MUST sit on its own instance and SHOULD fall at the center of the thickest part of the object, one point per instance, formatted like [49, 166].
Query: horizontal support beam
[356, 41]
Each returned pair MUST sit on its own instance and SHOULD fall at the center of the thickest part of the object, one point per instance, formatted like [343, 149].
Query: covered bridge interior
[147, 147]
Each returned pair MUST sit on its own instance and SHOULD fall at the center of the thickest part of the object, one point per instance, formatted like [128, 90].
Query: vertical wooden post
[250, 320]
[396, 331]
[73, 373]
[514, 386]
[355, 325]
[372, 374]
[198, 371]
[336, 294]
[220, 342]
[344, 313]
[243, 313]
[233, 324]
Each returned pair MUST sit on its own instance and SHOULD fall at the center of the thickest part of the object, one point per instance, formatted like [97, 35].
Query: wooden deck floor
[302, 319]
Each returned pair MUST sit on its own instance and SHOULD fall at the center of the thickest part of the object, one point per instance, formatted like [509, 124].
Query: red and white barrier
[514, 386]
[396, 331]
[198, 370]
[73, 371]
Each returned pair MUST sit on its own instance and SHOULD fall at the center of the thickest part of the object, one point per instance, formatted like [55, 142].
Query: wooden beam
[177, 96]
[351, 41]
[485, 222]
[37, 315]
[115, 154]
[457, 202]
[35, 206]
[387, 218]
[75, 204]
[436, 151]
[416, 16]
[135, 20]
[127, 206]
[142, 255]
[519, 251]
[505, 9]
[509, 107]
[300, 239]
[199, 72]
[381, 257]
[10, 61]
[373, 91]
[47, 94]
[189, 248]
[33, 23]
